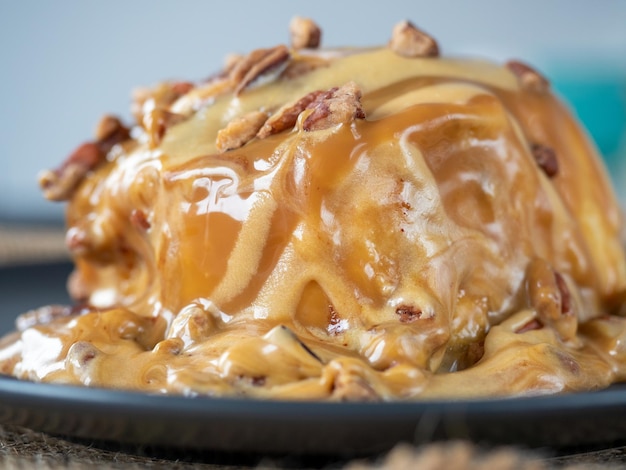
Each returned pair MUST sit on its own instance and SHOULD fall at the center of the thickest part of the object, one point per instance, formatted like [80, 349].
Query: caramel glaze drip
[419, 253]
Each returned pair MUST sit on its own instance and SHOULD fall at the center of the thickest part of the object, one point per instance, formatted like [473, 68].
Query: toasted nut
[59, 184]
[156, 123]
[409, 41]
[201, 96]
[110, 132]
[81, 354]
[240, 131]
[546, 159]
[408, 313]
[260, 63]
[180, 88]
[528, 77]
[342, 106]
[305, 34]
[160, 96]
[286, 117]
[139, 219]
[551, 299]
[542, 290]
[107, 126]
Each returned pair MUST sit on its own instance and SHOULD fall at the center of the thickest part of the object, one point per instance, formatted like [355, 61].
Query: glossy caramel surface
[410, 254]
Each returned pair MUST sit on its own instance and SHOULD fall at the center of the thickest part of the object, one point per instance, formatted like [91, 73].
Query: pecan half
[342, 106]
[156, 123]
[546, 159]
[409, 41]
[305, 34]
[528, 77]
[240, 131]
[287, 116]
[260, 63]
[549, 296]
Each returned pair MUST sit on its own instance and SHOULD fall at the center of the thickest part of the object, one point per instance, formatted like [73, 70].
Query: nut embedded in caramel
[156, 123]
[409, 41]
[286, 117]
[528, 77]
[546, 159]
[257, 64]
[341, 105]
[240, 131]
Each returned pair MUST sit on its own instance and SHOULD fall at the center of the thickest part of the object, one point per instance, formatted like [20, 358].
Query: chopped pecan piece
[109, 132]
[342, 106]
[566, 297]
[139, 219]
[81, 353]
[305, 34]
[59, 184]
[180, 88]
[260, 63]
[156, 123]
[546, 159]
[230, 62]
[286, 117]
[408, 313]
[240, 131]
[349, 386]
[528, 77]
[162, 95]
[409, 41]
[107, 126]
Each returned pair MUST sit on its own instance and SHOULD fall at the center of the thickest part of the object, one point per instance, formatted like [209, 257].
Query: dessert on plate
[343, 224]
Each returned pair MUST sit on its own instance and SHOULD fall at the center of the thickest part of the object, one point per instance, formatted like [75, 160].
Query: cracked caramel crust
[298, 227]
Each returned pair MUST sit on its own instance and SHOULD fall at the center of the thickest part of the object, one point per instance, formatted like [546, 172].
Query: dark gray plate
[585, 419]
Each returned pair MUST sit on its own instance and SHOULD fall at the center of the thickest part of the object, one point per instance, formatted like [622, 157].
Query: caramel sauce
[395, 257]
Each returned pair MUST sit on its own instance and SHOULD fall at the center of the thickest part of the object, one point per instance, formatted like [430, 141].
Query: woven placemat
[22, 448]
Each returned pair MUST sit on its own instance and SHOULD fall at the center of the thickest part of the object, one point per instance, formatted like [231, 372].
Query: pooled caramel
[446, 232]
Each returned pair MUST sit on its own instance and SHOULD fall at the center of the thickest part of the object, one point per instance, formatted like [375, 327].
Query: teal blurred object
[597, 95]
[600, 103]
